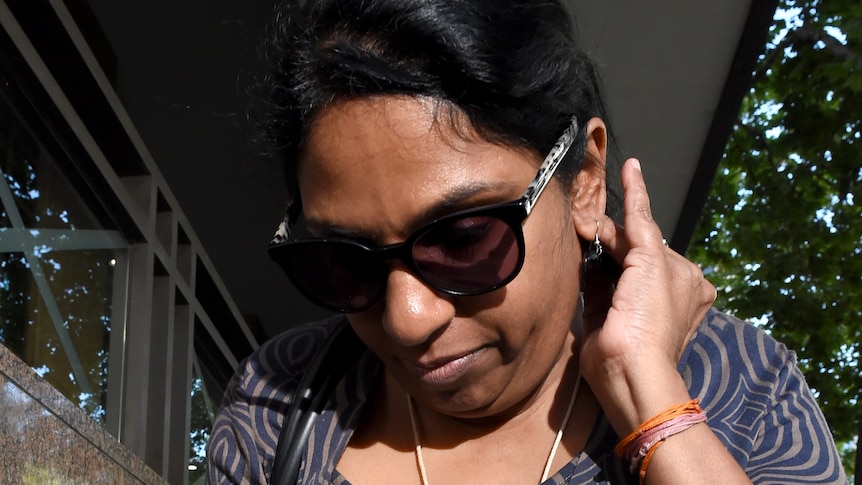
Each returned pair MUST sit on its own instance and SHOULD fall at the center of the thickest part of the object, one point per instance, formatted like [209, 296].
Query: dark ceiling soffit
[49, 37]
[28, 95]
[739, 81]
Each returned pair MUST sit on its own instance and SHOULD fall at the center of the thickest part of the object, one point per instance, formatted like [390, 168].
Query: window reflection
[202, 417]
[57, 267]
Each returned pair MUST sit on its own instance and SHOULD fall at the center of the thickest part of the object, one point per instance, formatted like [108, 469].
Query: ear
[589, 193]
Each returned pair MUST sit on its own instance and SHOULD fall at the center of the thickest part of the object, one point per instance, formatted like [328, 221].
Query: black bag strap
[338, 352]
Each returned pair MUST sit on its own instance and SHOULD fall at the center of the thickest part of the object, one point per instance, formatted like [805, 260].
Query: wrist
[629, 396]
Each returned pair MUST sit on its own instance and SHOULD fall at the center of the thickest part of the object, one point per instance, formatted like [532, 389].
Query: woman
[449, 161]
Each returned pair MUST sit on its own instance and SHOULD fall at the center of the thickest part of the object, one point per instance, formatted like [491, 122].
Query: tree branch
[804, 35]
[840, 51]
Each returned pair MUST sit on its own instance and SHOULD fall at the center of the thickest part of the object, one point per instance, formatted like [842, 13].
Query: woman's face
[376, 169]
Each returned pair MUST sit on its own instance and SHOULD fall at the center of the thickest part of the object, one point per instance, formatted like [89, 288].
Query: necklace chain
[420, 461]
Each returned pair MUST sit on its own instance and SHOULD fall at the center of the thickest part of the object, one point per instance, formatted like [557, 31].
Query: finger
[641, 228]
[616, 239]
[688, 279]
[686, 274]
[613, 238]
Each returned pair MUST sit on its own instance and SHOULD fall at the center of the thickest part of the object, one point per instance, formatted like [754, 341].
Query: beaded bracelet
[639, 446]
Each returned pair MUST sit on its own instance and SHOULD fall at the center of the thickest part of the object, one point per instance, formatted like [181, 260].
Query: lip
[446, 370]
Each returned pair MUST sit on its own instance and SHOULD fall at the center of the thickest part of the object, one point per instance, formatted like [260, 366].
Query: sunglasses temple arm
[549, 166]
[282, 233]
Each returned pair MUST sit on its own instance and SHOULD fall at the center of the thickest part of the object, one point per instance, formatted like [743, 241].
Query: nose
[413, 311]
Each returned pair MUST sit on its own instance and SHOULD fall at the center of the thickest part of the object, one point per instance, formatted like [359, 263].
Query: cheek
[546, 290]
[368, 329]
[553, 262]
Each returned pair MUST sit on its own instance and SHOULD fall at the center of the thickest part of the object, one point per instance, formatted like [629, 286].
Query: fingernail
[637, 164]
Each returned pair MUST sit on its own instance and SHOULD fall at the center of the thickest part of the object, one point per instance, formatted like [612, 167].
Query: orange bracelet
[676, 417]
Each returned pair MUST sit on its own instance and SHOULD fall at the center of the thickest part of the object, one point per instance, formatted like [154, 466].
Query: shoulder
[265, 380]
[280, 362]
[245, 433]
[758, 403]
[734, 367]
[725, 344]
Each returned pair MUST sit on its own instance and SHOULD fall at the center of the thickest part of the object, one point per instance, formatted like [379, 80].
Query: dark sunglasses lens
[335, 274]
[468, 254]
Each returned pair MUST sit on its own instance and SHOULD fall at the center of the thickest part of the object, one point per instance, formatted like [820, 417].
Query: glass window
[202, 418]
[59, 267]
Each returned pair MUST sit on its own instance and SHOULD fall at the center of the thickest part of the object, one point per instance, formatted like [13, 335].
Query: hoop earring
[594, 252]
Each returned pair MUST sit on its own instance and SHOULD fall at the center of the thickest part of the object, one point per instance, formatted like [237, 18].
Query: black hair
[513, 67]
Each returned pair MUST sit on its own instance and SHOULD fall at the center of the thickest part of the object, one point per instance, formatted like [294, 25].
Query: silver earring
[594, 252]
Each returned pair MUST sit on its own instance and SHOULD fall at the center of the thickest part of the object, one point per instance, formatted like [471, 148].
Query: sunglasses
[465, 253]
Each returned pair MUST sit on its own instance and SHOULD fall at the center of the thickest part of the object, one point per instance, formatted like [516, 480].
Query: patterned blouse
[755, 397]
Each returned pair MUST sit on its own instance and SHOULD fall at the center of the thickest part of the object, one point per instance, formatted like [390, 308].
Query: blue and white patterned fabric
[755, 397]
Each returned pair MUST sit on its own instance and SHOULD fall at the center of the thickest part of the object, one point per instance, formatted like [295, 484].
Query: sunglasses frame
[512, 213]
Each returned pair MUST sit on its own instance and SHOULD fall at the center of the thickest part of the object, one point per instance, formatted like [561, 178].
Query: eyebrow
[451, 202]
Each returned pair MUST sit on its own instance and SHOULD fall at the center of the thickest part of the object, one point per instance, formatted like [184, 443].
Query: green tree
[781, 233]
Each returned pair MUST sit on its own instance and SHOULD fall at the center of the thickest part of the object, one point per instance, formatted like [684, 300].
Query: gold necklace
[420, 462]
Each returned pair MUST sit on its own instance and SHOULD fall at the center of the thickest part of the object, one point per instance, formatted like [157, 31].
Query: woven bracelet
[639, 446]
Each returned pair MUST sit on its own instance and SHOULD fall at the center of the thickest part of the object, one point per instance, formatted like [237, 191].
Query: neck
[549, 462]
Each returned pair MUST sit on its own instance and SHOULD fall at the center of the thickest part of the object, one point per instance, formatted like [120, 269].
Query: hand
[635, 334]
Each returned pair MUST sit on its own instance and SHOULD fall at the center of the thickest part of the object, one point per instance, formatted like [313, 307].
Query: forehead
[390, 158]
